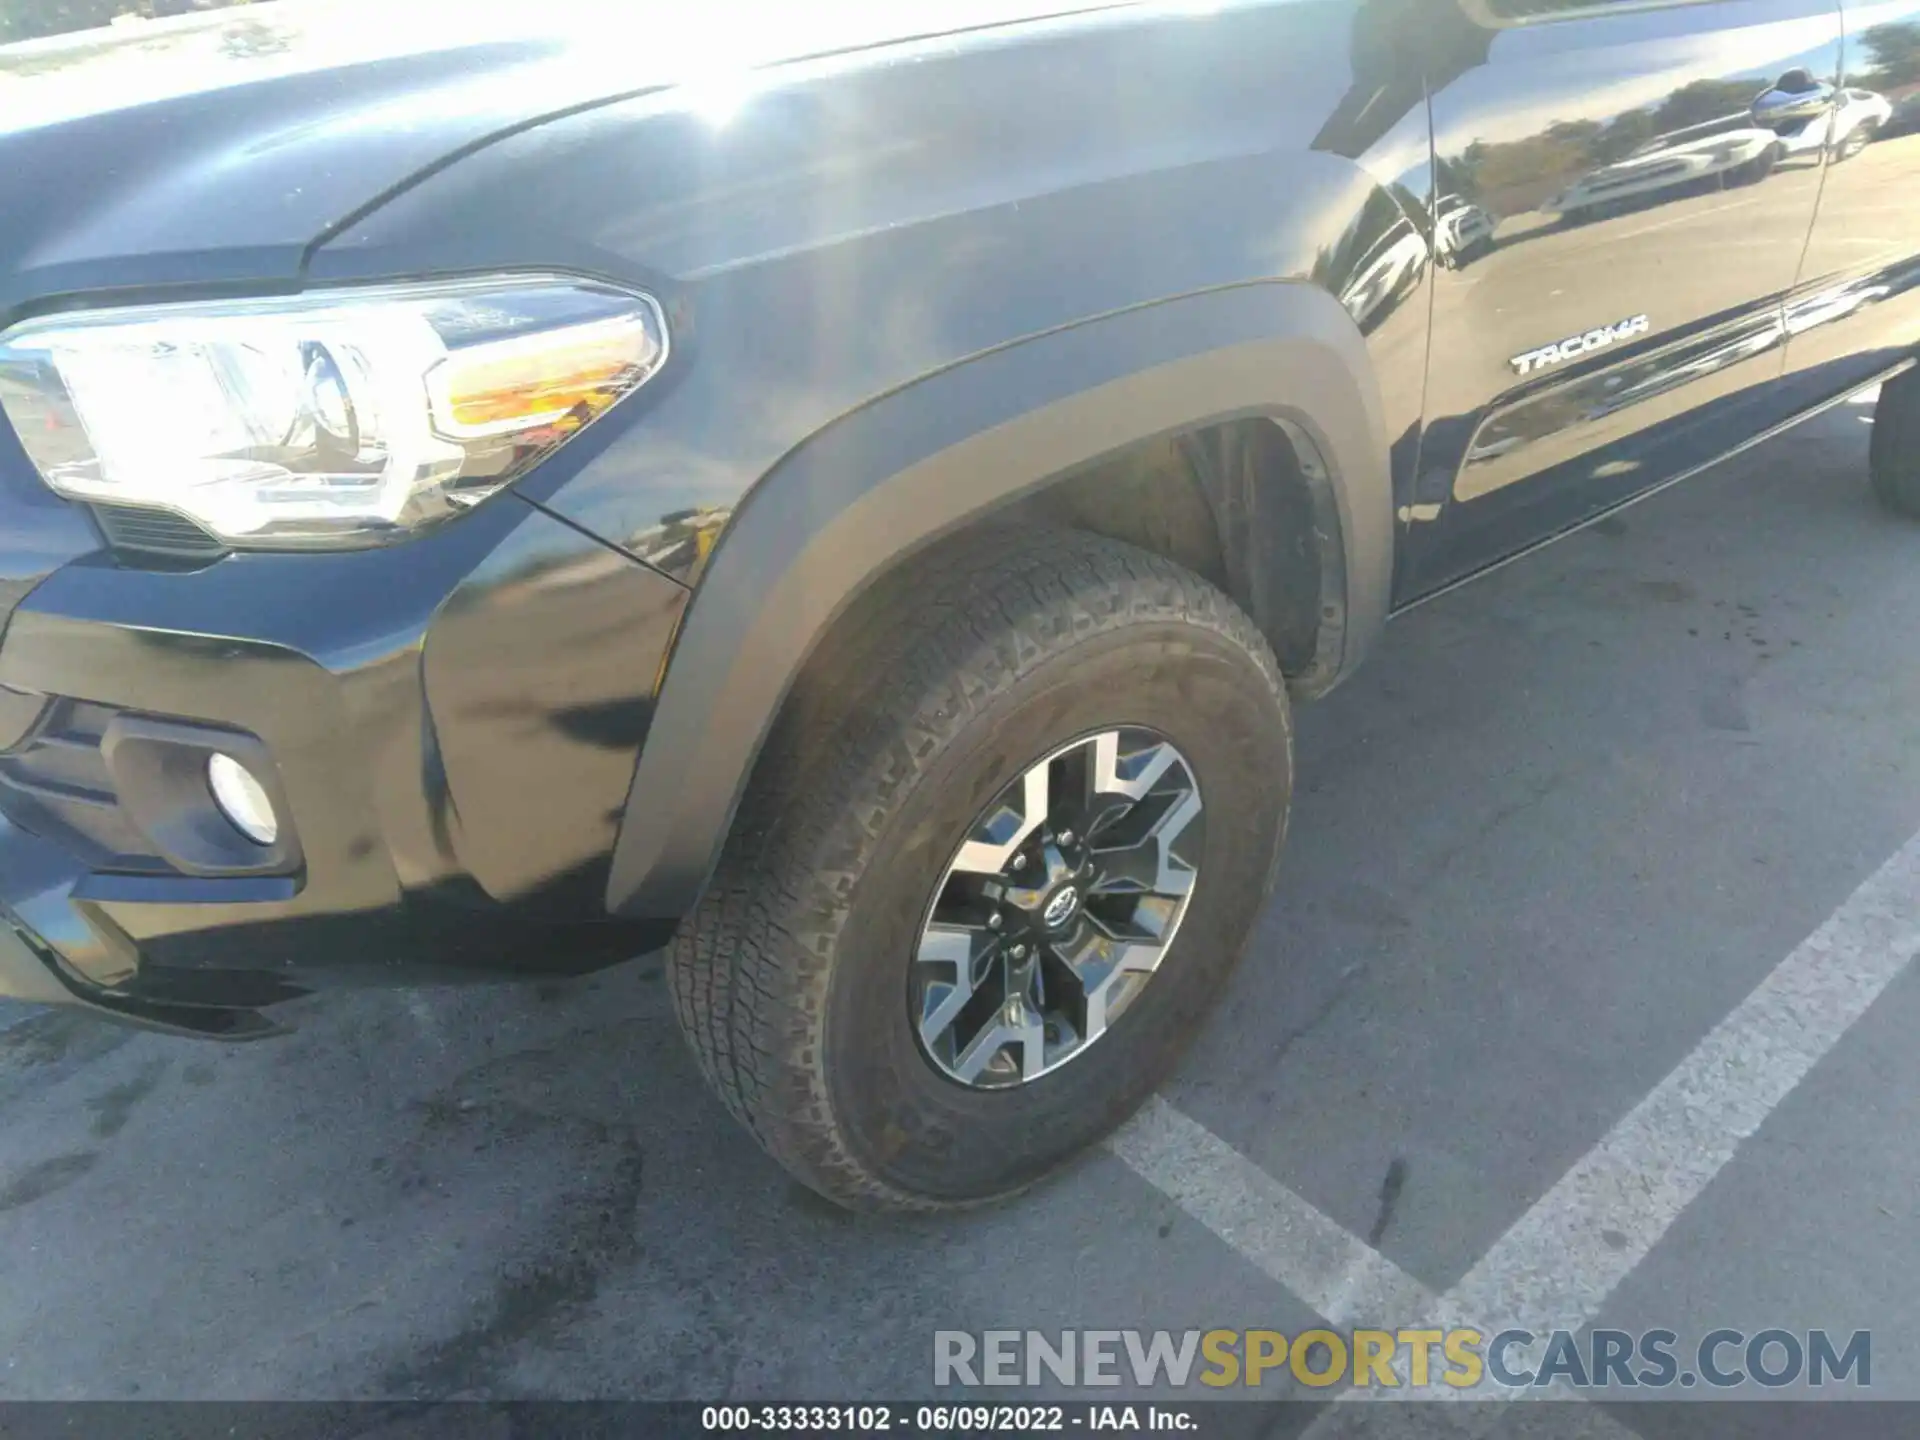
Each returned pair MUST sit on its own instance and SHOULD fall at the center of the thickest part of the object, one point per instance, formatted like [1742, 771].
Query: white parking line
[1342, 1277]
[1557, 1264]
[1560, 1261]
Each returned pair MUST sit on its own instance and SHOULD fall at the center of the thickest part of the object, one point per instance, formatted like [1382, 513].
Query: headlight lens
[324, 420]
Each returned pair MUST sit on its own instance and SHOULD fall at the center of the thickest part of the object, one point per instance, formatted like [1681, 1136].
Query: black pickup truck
[847, 492]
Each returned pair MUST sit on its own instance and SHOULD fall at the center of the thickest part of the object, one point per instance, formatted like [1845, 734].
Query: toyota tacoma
[848, 494]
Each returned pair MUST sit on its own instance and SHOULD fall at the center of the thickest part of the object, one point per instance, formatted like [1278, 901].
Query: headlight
[343, 418]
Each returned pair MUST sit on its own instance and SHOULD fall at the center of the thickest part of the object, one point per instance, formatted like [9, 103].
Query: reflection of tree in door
[36, 19]
[1888, 63]
[1896, 55]
[1517, 176]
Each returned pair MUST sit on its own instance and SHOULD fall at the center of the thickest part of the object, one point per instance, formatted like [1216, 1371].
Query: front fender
[898, 474]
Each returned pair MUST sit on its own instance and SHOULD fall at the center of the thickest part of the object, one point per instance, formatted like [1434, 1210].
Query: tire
[1758, 168]
[792, 978]
[1894, 456]
[1857, 140]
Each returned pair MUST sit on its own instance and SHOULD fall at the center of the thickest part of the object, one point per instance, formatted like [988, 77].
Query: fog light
[242, 799]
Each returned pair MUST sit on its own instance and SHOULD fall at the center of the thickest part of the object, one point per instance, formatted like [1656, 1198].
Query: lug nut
[995, 921]
[1019, 862]
[1066, 837]
[1019, 952]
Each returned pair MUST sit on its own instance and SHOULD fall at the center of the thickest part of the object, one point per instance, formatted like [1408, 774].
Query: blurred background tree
[1895, 49]
[32, 19]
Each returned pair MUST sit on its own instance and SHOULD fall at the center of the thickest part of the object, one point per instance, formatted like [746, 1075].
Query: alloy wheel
[1057, 908]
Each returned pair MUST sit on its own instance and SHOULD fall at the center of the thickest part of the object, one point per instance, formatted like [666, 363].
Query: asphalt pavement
[1573, 862]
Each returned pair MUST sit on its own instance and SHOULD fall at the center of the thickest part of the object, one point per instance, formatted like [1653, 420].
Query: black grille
[155, 532]
[54, 781]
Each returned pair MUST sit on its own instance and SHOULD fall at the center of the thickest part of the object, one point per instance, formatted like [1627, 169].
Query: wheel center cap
[1061, 908]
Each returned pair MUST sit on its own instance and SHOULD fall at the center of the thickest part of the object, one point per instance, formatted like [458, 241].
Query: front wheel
[1857, 140]
[1758, 168]
[1006, 844]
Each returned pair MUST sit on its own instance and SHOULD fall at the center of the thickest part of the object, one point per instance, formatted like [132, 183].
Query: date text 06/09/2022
[945, 1419]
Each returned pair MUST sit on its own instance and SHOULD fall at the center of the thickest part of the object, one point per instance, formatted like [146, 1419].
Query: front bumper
[449, 727]
[37, 880]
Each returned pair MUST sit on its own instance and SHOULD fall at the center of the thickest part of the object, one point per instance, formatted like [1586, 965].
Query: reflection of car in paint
[1846, 127]
[1827, 306]
[1815, 115]
[1655, 171]
[1860, 116]
[1462, 231]
[1392, 268]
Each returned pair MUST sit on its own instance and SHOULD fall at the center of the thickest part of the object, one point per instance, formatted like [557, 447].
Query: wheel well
[1234, 502]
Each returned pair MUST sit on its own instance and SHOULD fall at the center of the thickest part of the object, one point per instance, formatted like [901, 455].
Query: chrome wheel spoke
[1107, 971]
[1057, 908]
[942, 1000]
[1014, 817]
[1149, 862]
[1172, 875]
[1018, 1028]
[1132, 774]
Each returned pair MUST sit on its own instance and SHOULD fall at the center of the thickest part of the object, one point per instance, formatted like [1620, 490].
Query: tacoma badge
[1577, 345]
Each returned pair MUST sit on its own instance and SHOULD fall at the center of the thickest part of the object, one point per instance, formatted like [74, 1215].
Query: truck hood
[218, 148]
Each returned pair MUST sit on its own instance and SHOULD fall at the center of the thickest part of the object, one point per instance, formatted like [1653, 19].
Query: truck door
[1623, 192]
[1857, 308]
